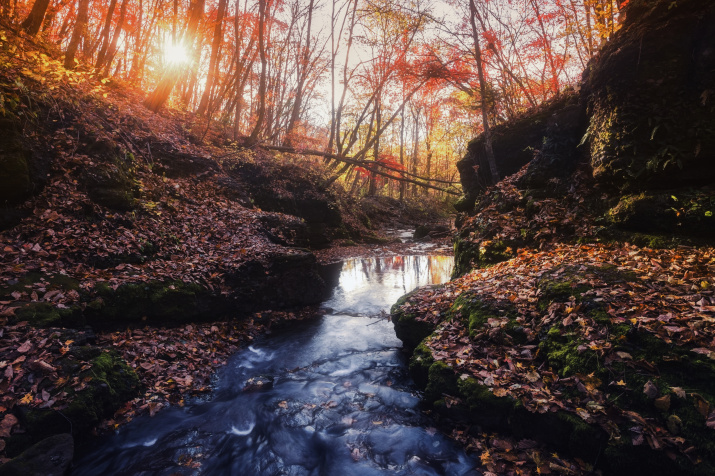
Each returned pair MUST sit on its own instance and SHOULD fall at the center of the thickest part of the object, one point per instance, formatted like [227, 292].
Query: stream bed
[326, 398]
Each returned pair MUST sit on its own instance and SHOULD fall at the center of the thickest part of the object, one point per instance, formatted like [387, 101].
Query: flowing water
[326, 398]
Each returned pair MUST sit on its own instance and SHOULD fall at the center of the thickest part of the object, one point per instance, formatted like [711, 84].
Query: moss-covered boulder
[678, 212]
[111, 180]
[49, 457]
[410, 330]
[516, 141]
[15, 175]
[470, 254]
[101, 389]
[649, 96]
[156, 302]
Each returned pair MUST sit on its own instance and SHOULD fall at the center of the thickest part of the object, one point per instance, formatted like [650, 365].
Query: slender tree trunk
[402, 152]
[104, 36]
[33, 22]
[253, 138]
[80, 27]
[112, 50]
[372, 191]
[483, 90]
[303, 69]
[213, 61]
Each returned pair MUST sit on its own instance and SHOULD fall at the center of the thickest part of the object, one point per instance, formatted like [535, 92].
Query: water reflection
[328, 398]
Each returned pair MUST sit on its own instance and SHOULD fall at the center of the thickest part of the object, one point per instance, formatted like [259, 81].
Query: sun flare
[175, 53]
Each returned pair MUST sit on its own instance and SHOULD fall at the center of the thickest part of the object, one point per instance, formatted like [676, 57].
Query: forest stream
[330, 397]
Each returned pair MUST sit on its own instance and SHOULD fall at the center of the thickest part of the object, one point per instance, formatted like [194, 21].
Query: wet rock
[431, 231]
[50, 457]
[261, 382]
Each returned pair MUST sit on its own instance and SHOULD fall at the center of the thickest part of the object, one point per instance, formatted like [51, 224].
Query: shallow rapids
[326, 398]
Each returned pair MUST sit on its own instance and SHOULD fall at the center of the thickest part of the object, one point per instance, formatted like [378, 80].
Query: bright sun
[175, 53]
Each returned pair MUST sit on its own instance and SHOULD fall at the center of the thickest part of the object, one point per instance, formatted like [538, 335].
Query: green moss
[407, 328]
[45, 314]
[561, 349]
[495, 251]
[110, 382]
[171, 302]
[441, 380]
[466, 256]
[419, 365]
[464, 204]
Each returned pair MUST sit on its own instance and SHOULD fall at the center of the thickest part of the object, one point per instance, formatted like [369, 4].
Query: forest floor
[115, 204]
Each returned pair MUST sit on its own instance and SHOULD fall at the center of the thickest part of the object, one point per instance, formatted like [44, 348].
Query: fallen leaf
[662, 403]
[679, 392]
[7, 424]
[650, 390]
[25, 347]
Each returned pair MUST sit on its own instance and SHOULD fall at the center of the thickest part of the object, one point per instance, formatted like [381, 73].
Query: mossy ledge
[562, 431]
[289, 280]
[408, 328]
[100, 391]
[560, 348]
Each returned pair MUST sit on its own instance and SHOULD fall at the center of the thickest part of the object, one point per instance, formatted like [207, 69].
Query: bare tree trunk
[402, 152]
[372, 190]
[78, 32]
[112, 50]
[262, 82]
[213, 62]
[104, 36]
[303, 70]
[483, 91]
[33, 22]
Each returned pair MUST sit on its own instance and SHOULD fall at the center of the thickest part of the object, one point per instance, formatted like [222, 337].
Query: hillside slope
[136, 254]
[579, 332]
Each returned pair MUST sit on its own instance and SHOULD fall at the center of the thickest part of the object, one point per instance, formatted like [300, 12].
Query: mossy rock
[407, 328]
[110, 384]
[477, 312]
[685, 212]
[111, 181]
[172, 302]
[45, 314]
[652, 120]
[562, 283]
[465, 203]
[560, 430]
[49, 457]
[419, 365]
[644, 213]
[466, 256]
[674, 366]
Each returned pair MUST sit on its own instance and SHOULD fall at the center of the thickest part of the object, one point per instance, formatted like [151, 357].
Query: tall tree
[80, 28]
[33, 22]
[488, 149]
[261, 114]
[213, 62]
[302, 73]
